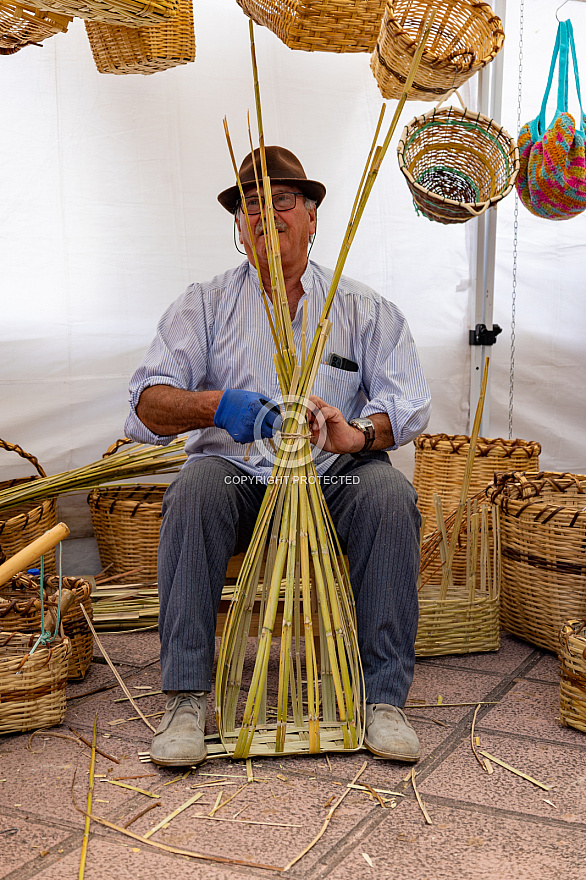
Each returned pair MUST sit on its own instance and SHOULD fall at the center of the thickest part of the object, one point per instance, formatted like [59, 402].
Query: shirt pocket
[339, 388]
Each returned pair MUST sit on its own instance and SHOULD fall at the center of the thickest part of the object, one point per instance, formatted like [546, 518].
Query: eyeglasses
[281, 202]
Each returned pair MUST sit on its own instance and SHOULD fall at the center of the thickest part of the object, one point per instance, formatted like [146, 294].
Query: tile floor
[483, 827]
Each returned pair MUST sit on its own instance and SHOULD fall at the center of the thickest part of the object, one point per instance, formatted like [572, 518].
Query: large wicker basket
[125, 50]
[127, 522]
[320, 25]
[19, 526]
[20, 611]
[465, 36]
[24, 25]
[440, 464]
[572, 653]
[32, 686]
[132, 13]
[457, 163]
[543, 540]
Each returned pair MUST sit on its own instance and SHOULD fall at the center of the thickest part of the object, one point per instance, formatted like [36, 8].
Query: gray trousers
[207, 517]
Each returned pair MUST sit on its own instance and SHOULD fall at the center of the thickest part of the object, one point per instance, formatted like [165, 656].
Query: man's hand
[335, 434]
[237, 413]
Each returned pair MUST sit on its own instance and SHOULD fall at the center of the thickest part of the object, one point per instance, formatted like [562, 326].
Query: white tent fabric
[109, 210]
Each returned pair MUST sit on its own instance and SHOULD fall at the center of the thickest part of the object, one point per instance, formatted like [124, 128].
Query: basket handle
[32, 551]
[114, 447]
[448, 95]
[14, 447]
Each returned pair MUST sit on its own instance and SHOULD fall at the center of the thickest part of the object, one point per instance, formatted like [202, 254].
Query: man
[210, 371]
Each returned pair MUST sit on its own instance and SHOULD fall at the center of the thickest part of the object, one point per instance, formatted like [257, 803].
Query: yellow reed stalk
[90, 795]
[447, 574]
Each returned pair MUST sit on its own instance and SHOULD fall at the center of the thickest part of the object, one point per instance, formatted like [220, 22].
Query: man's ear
[312, 221]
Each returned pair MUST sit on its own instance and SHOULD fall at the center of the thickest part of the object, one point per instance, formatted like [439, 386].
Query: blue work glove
[237, 413]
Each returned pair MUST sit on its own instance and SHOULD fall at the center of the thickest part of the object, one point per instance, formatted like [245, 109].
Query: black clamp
[482, 336]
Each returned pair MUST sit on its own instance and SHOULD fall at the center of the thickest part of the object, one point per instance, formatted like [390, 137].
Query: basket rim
[473, 208]
[528, 488]
[432, 441]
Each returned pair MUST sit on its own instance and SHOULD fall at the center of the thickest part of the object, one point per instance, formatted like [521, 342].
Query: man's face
[294, 227]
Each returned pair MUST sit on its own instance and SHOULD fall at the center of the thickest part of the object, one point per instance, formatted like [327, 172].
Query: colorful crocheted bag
[552, 172]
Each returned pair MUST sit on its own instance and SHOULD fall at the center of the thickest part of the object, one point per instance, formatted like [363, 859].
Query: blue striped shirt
[216, 336]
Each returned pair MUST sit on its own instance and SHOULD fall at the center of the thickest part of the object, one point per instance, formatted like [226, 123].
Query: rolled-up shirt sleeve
[392, 374]
[176, 356]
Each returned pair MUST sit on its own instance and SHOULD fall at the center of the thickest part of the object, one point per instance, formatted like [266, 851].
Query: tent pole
[490, 88]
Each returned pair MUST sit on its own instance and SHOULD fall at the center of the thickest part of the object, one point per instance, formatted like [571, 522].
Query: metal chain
[516, 227]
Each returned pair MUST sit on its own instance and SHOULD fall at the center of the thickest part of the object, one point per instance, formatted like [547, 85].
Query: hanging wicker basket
[32, 685]
[440, 464]
[19, 526]
[131, 13]
[543, 539]
[457, 163]
[465, 36]
[320, 25]
[125, 50]
[20, 611]
[572, 653]
[24, 25]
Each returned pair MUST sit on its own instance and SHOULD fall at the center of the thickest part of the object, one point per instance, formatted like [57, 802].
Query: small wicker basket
[572, 653]
[440, 464]
[23, 25]
[320, 25]
[132, 13]
[463, 617]
[19, 526]
[465, 36]
[543, 539]
[20, 611]
[32, 685]
[125, 50]
[127, 522]
[457, 163]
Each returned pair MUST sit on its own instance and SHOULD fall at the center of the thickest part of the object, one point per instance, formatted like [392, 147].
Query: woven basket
[465, 618]
[465, 36]
[24, 25]
[19, 526]
[131, 13]
[320, 25]
[440, 464]
[457, 163]
[572, 653]
[20, 611]
[543, 540]
[124, 50]
[127, 521]
[32, 686]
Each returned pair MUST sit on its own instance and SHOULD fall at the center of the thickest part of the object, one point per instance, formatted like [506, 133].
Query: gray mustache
[279, 224]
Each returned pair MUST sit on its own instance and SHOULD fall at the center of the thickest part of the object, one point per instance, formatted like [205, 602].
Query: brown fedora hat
[283, 167]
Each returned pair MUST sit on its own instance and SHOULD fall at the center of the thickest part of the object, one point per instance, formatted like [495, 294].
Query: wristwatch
[367, 428]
